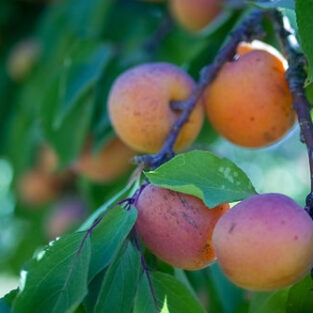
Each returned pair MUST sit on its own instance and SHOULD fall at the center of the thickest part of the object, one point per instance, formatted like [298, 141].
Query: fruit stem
[250, 28]
[296, 76]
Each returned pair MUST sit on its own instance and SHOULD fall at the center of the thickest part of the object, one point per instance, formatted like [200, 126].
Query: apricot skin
[196, 14]
[265, 242]
[111, 162]
[249, 103]
[37, 188]
[177, 227]
[139, 106]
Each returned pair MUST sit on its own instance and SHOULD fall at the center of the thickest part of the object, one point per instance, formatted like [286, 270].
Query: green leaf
[304, 9]
[106, 206]
[274, 4]
[230, 295]
[119, 286]
[204, 175]
[7, 300]
[67, 145]
[56, 280]
[171, 296]
[269, 302]
[108, 237]
[93, 292]
[300, 297]
[82, 69]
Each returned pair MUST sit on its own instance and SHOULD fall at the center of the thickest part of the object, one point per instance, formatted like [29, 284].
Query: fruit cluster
[264, 242]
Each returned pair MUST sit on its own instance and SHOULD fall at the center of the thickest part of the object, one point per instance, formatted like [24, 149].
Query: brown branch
[249, 29]
[296, 76]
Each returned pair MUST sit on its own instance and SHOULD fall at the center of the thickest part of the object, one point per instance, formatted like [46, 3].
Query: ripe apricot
[65, 216]
[37, 188]
[110, 163]
[195, 15]
[140, 111]
[265, 242]
[249, 103]
[177, 227]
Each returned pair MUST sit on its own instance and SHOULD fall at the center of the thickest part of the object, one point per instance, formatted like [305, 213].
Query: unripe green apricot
[265, 242]
[177, 227]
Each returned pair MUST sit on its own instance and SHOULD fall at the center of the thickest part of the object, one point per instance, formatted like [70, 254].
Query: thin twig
[296, 76]
[151, 45]
[88, 233]
[249, 29]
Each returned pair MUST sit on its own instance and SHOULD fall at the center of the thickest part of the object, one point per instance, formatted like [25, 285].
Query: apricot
[140, 111]
[111, 162]
[66, 214]
[37, 188]
[48, 159]
[249, 102]
[265, 242]
[22, 59]
[177, 227]
[195, 15]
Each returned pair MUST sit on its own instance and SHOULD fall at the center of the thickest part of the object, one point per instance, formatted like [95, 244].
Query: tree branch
[296, 76]
[249, 29]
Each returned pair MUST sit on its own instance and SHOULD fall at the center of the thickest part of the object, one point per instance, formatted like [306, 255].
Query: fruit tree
[156, 156]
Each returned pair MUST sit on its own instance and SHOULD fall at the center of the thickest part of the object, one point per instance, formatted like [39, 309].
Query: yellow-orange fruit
[140, 111]
[22, 59]
[249, 103]
[111, 162]
[265, 242]
[37, 188]
[196, 14]
[177, 227]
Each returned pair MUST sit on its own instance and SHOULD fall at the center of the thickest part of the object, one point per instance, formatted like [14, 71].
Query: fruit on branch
[66, 214]
[249, 102]
[113, 160]
[22, 59]
[42, 183]
[195, 15]
[38, 188]
[177, 227]
[140, 111]
[265, 242]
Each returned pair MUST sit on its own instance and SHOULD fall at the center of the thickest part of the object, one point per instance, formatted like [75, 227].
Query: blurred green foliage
[83, 46]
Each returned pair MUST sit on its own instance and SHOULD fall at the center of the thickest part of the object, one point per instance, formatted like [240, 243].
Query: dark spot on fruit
[183, 201]
[295, 237]
[268, 136]
[252, 118]
[232, 227]
[189, 220]
[283, 222]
